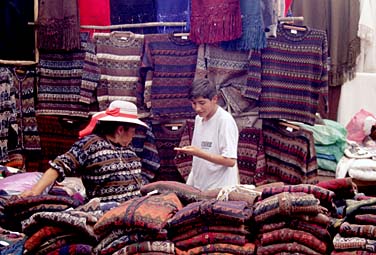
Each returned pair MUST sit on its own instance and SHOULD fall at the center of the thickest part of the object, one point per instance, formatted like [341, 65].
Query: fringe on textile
[216, 28]
[54, 34]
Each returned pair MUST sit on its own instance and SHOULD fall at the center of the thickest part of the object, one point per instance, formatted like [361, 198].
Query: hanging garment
[367, 32]
[340, 18]
[166, 139]
[95, 13]
[253, 35]
[134, 11]
[270, 16]
[290, 155]
[28, 128]
[111, 69]
[213, 21]
[60, 76]
[251, 156]
[8, 112]
[172, 11]
[170, 63]
[58, 25]
[144, 145]
[289, 77]
[228, 71]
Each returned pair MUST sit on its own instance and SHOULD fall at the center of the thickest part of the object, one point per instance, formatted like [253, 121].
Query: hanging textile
[251, 156]
[213, 21]
[133, 11]
[367, 34]
[144, 145]
[172, 11]
[58, 25]
[253, 35]
[228, 71]
[166, 139]
[94, 12]
[287, 6]
[340, 18]
[290, 155]
[289, 77]
[60, 76]
[8, 114]
[24, 84]
[270, 16]
[170, 63]
[112, 69]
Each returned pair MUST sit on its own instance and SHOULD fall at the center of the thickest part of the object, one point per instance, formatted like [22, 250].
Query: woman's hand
[28, 193]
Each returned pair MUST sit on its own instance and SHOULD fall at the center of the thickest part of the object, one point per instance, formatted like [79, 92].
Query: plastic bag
[355, 127]
[17, 183]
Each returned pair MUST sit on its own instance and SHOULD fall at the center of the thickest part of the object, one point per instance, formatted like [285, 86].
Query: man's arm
[214, 158]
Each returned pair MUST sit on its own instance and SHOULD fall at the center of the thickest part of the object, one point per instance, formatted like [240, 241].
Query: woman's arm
[48, 178]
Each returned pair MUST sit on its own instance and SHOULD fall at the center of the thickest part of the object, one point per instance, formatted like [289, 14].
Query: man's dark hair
[202, 88]
[109, 127]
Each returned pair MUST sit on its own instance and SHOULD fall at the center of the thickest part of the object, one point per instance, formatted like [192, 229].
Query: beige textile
[340, 19]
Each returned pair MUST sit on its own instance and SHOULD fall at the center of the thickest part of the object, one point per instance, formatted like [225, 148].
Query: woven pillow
[149, 213]
[186, 193]
[249, 197]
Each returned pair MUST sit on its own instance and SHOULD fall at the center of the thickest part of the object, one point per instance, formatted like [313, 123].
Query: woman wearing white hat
[107, 165]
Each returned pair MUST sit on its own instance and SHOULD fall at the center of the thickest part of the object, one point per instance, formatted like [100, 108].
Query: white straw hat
[121, 111]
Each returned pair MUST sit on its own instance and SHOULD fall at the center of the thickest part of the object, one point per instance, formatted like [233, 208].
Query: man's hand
[191, 150]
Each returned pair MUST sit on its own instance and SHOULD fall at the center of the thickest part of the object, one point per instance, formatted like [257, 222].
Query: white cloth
[219, 135]
[357, 94]
[366, 61]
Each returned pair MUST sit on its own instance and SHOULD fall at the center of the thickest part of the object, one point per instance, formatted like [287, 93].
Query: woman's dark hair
[202, 88]
[109, 127]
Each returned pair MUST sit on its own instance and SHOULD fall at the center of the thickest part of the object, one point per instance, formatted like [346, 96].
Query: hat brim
[123, 119]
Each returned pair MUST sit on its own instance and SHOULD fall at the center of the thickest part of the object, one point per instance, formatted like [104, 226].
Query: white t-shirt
[219, 135]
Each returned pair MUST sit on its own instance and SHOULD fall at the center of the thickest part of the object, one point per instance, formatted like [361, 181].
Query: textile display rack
[137, 25]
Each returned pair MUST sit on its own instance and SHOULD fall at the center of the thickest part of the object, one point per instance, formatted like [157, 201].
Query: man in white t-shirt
[214, 142]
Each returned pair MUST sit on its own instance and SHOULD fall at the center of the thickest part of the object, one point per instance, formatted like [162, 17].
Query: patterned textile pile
[186, 193]
[63, 232]
[137, 226]
[357, 231]
[175, 218]
[292, 222]
[18, 209]
[10, 241]
[212, 226]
